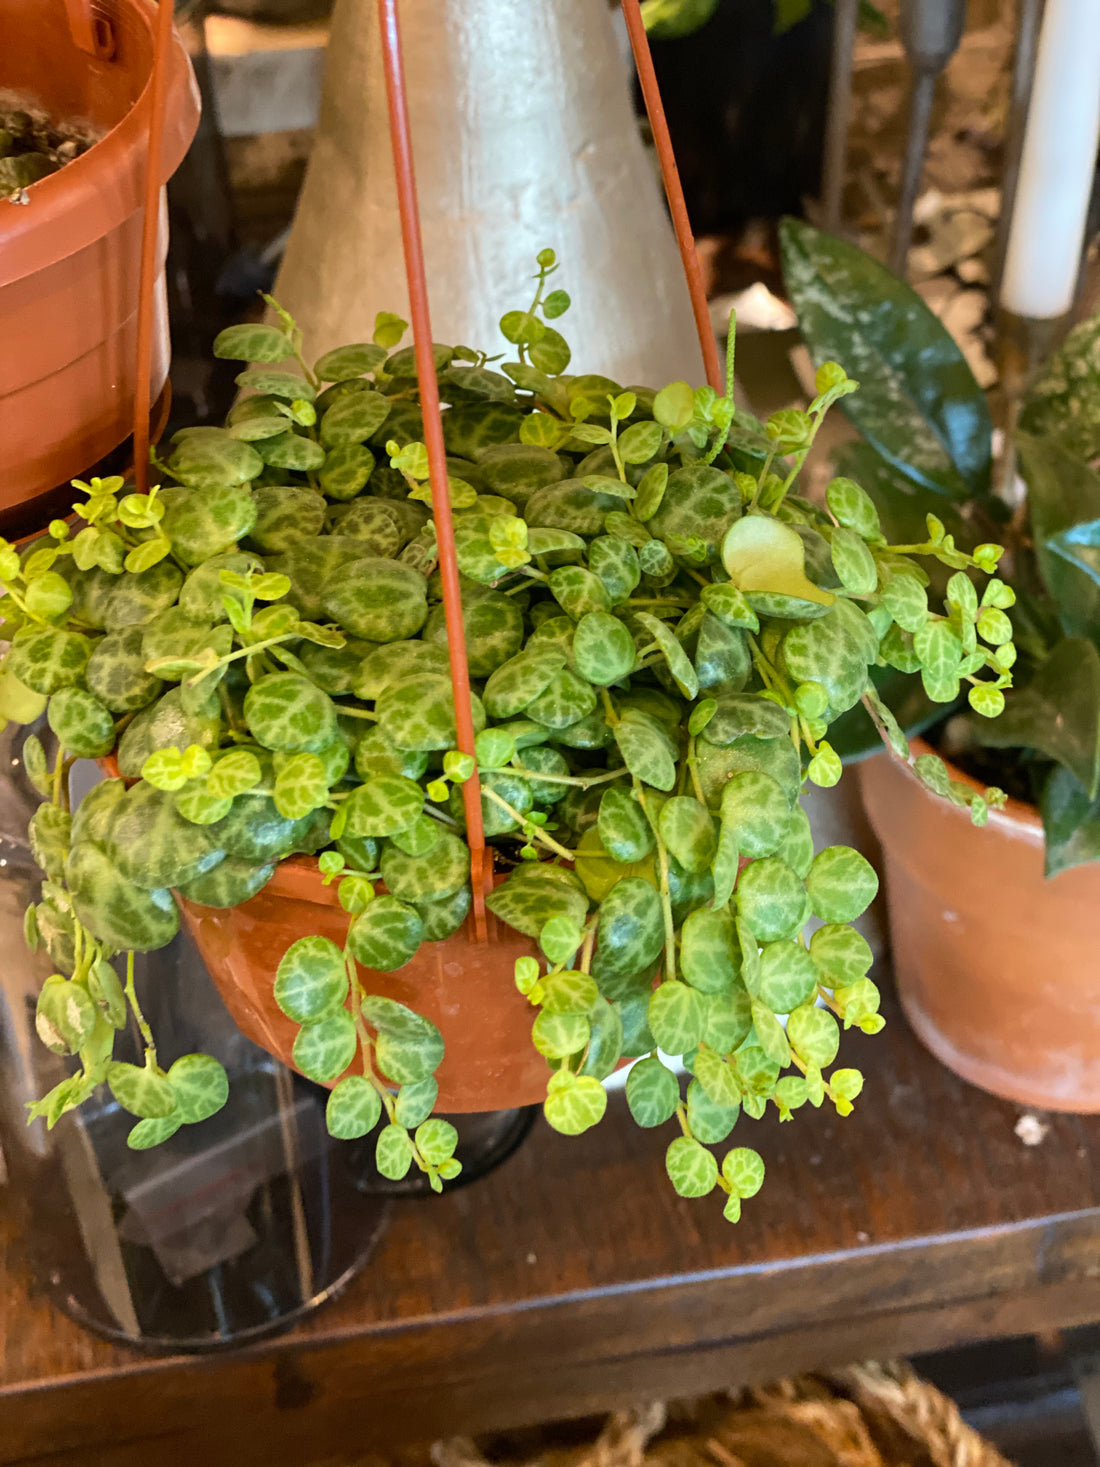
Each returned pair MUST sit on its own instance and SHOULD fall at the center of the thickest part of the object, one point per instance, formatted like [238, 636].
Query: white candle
[1058, 163]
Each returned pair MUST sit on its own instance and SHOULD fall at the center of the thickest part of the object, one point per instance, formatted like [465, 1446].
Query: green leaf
[691, 1168]
[677, 1017]
[717, 1079]
[393, 1155]
[415, 1102]
[387, 804]
[756, 811]
[709, 1122]
[842, 884]
[142, 1091]
[65, 1016]
[771, 899]
[1058, 713]
[251, 342]
[842, 955]
[687, 829]
[353, 1109]
[770, 1034]
[200, 1085]
[568, 992]
[709, 957]
[301, 786]
[743, 1169]
[729, 1019]
[323, 1050]
[436, 1141]
[1063, 402]
[1071, 822]
[674, 406]
[853, 508]
[788, 976]
[918, 402]
[645, 751]
[557, 1036]
[763, 555]
[574, 1103]
[625, 833]
[387, 935]
[151, 1133]
[1064, 495]
[652, 1092]
[311, 981]
[350, 361]
[853, 563]
[814, 1035]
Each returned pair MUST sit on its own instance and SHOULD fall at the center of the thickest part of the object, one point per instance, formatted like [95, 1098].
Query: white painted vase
[524, 137]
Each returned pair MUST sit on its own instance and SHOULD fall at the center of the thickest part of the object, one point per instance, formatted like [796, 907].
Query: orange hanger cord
[150, 234]
[480, 870]
[643, 60]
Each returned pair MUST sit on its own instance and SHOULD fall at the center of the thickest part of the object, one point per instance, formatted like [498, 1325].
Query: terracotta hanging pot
[69, 256]
[996, 966]
[465, 988]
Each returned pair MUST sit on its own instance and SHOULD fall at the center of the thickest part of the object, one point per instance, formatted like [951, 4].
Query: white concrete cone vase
[524, 137]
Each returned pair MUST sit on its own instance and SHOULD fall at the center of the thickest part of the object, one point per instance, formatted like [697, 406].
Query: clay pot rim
[91, 196]
[1017, 820]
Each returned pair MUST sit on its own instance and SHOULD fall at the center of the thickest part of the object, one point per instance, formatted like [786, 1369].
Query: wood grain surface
[573, 1280]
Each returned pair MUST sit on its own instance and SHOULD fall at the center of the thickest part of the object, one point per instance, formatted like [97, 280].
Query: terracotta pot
[996, 966]
[465, 988]
[69, 257]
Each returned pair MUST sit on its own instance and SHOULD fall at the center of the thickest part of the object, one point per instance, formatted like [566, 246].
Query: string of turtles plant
[660, 631]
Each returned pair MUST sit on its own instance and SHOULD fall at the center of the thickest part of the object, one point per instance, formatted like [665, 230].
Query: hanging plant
[659, 630]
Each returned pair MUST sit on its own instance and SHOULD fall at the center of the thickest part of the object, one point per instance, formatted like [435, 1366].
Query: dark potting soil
[1016, 771]
[32, 146]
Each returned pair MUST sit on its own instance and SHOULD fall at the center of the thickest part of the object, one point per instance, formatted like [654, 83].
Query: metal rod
[840, 106]
[930, 31]
[916, 146]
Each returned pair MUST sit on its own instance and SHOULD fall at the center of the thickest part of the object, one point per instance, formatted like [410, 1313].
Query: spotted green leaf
[142, 1090]
[386, 935]
[574, 1103]
[652, 1092]
[353, 1109]
[323, 1050]
[200, 1085]
[814, 1035]
[841, 885]
[311, 981]
[677, 1017]
[691, 1168]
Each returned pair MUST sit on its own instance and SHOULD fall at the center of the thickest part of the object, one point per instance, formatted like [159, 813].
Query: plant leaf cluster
[927, 450]
[660, 633]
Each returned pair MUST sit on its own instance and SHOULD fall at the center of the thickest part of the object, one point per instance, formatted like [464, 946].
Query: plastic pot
[69, 256]
[996, 966]
[465, 988]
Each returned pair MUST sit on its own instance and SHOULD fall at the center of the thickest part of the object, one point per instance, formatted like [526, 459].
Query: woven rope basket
[869, 1415]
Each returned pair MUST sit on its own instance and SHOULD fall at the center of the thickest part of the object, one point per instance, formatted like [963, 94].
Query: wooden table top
[573, 1280]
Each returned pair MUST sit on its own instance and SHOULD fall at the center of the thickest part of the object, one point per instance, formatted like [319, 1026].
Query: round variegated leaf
[431, 877]
[771, 899]
[493, 625]
[152, 845]
[83, 726]
[286, 712]
[377, 599]
[710, 958]
[419, 714]
[113, 909]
